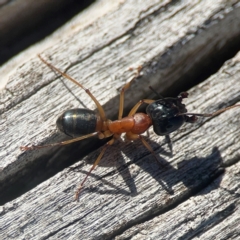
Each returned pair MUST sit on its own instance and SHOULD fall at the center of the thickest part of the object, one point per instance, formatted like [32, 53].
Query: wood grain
[128, 195]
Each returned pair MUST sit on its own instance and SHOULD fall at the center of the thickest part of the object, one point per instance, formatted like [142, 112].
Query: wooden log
[170, 40]
[212, 213]
[23, 22]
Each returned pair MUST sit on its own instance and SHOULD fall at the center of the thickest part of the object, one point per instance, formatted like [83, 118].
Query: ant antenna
[210, 114]
[158, 94]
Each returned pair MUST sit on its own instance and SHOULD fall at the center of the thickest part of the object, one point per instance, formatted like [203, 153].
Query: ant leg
[135, 108]
[93, 166]
[169, 142]
[124, 88]
[150, 149]
[99, 107]
[133, 136]
[60, 143]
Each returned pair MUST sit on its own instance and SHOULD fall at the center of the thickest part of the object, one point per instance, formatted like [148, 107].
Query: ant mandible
[165, 114]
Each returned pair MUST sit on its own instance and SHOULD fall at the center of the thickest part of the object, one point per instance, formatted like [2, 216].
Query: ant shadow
[191, 172]
[68, 88]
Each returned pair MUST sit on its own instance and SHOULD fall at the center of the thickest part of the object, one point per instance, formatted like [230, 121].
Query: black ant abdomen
[77, 122]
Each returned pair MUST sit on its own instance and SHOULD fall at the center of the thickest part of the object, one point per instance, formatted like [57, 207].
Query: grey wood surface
[128, 195]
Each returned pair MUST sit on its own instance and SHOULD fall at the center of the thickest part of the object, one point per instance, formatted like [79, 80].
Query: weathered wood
[11, 20]
[163, 38]
[141, 190]
[212, 213]
[18, 18]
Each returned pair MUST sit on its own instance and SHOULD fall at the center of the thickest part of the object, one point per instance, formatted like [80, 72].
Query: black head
[165, 114]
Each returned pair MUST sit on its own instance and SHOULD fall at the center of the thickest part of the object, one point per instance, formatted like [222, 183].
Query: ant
[166, 115]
